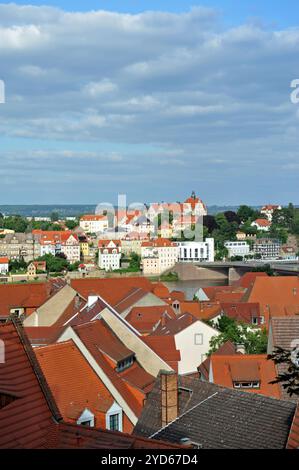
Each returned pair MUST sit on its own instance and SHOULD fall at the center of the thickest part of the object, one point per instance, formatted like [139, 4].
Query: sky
[149, 99]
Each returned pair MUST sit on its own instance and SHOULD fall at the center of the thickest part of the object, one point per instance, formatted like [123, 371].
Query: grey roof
[215, 417]
[284, 331]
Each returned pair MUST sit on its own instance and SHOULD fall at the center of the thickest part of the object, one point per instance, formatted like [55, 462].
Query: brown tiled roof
[111, 290]
[165, 347]
[101, 337]
[216, 417]
[174, 326]
[144, 319]
[293, 441]
[241, 311]
[284, 330]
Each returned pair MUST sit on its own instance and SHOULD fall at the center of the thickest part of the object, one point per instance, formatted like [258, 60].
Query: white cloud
[175, 81]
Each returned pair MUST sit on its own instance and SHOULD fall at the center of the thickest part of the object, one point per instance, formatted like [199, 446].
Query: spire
[193, 195]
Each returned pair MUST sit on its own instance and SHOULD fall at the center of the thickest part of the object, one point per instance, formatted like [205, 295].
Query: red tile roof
[74, 384]
[4, 260]
[245, 368]
[165, 347]
[248, 279]
[144, 319]
[275, 294]
[111, 290]
[159, 243]
[29, 417]
[224, 293]
[28, 296]
[242, 311]
[262, 222]
[107, 349]
[227, 348]
[174, 326]
[24, 423]
[93, 217]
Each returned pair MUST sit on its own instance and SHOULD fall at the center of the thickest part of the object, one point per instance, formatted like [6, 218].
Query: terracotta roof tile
[73, 382]
[228, 369]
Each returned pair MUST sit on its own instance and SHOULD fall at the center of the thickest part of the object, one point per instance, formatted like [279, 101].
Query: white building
[55, 242]
[94, 223]
[4, 265]
[269, 209]
[237, 248]
[196, 251]
[109, 254]
[192, 339]
[261, 224]
[158, 255]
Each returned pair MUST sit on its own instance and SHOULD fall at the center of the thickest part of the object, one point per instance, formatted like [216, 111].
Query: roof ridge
[183, 414]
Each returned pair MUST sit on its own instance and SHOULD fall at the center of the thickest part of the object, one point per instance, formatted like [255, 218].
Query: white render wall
[192, 355]
[196, 251]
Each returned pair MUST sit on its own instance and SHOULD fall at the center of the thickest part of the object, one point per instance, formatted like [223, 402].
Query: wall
[191, 353]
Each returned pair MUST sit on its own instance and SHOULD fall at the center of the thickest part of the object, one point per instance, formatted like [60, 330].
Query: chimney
[240, 348]
[169, 396]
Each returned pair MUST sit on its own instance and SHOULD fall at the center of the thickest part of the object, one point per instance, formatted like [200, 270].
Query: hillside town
[151, 240]
[100, 342]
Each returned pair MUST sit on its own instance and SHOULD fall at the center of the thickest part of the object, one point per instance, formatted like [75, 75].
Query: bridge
[232, 271]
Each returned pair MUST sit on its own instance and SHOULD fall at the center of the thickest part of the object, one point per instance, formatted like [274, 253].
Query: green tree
[254, 340]
[54, 216]
[16, 222]
[290, 378]
[55, 264]
[71, 224]
[245, 213]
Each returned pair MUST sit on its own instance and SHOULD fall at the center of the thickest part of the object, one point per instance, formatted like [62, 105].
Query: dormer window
[86, 418]
[254, 384]
[125, 363]
[114, 420]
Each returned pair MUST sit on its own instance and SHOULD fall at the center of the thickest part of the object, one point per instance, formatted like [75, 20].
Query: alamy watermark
[2, 92]
[295, 93]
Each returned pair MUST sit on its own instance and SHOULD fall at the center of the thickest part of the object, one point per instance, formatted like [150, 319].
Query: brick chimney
[169, 396]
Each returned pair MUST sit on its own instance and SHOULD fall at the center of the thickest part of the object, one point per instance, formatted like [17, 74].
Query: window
[114, 418]
[254, 384]
[86, 418]
[198, 339]
[114, 422]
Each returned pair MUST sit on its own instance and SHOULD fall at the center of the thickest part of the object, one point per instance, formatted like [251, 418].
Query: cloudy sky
[151, 99]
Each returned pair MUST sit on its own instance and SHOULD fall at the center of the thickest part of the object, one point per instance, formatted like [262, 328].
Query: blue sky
[271, 12]
[151, 99]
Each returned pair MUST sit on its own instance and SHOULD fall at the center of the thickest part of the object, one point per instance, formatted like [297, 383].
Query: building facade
[267, 248]
[157, 256]
[18, 246]
[93, 223]
[109, 254]
[196, 251]
[237, 248]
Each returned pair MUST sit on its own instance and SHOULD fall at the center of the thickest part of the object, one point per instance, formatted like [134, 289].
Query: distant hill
[69, 210]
